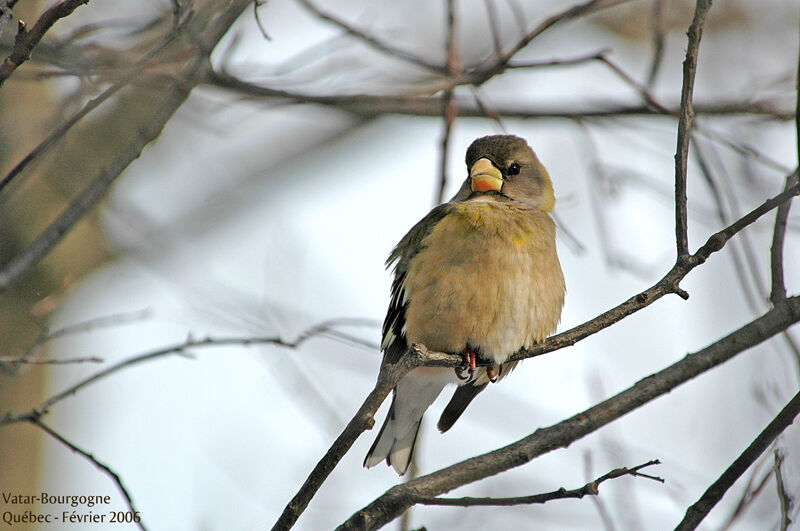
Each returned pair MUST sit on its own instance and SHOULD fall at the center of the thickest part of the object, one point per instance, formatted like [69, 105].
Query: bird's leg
[471, 362]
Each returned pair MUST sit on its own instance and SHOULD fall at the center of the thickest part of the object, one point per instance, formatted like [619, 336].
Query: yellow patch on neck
[548, 196]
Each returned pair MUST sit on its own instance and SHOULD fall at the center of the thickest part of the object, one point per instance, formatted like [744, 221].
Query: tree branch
[208, 26]
[590, 489]
[26, 41]
[783, 496]
[399, 498]
[92, 459]
[714, 493]
[363, 420]
[370, 105]
[179, 349]
[778, 290]
[685, 125]
[373, 41]
[449, 109]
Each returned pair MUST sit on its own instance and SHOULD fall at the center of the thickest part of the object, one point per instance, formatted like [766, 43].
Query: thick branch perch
[399, 498]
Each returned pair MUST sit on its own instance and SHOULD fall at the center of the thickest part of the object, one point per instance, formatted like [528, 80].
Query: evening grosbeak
[479, 276]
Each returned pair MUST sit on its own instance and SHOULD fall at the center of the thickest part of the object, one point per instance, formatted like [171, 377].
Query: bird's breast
[487, 276]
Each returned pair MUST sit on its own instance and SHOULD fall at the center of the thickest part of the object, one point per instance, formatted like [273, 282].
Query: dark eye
[513, 169]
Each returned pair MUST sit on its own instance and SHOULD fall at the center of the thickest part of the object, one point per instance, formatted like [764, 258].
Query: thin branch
[697, 512]
[776, 251]
[751, 294]
[658, 41]
[491, 13]
[64, 128]
[567, 61]
[10, 364]
[26, 41]
[172, 97]
[397, 499]
[99, 465]
[372, 41]
[481, 75]
[783, 496]
[104, 321]
[257, 17]
[449, 109]
[589, 489]
[27, 361]
[370, 105]
[748, 496]
[179, 349]
[602, 511]
[685, 125]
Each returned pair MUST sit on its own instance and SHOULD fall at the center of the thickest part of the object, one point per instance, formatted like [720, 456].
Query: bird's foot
[493, 372]
[470, 362]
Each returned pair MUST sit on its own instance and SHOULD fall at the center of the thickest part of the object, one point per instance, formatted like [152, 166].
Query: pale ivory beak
[485, 177]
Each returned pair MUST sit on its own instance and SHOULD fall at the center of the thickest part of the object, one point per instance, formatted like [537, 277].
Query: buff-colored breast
[488, 275]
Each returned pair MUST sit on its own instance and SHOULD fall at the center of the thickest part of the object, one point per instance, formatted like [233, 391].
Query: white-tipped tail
[412, 396]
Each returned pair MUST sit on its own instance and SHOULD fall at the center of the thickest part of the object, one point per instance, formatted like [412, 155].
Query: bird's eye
[513, 169]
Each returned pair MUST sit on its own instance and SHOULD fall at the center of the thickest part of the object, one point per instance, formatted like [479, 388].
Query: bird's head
[505, 166]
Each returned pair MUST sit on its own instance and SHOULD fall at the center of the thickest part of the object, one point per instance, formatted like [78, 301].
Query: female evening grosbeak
[479, 275]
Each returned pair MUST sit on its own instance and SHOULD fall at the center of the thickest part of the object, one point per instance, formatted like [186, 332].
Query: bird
[477, 276]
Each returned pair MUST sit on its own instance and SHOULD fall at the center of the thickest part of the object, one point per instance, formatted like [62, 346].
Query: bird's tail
[412, 396]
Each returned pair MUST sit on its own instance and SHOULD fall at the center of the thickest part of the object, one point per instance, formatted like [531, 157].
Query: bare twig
[10, 364]
[481, 75]
[104, 321]
[92, 459]
[372, 41]
[783, 496]
[750, 493]
[776, 252]
[172, 97]
[370, 105]
[698, 511]
[685, 125]
[91, 105]
[658, 41]
[589, 489]
[179, 349]
[256, 5]
[26, 41]
[567, 61]
[27, 361]
[397, 499]
[449, 109]
[778, 290]
[491, 13]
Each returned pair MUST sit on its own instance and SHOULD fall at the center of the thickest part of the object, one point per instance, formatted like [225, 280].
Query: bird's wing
[394, 342]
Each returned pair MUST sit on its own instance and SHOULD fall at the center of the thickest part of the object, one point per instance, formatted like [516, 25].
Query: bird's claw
[470, 362]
